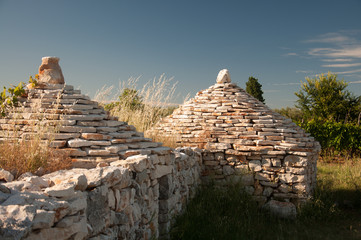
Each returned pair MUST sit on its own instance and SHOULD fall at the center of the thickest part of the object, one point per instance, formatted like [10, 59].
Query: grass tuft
[32, 156]
[143, 107]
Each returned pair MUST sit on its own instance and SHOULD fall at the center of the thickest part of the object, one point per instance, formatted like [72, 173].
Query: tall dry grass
[26, 148]
[141, 107]
[32, 156]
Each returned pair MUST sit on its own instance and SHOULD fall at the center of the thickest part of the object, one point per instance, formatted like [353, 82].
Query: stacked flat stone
[71, 122]
[241, 137]
[74, 123]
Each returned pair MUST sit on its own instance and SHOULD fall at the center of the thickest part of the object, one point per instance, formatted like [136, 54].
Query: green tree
[291, 112]
[254, 88]
[326, 98]
[128, 99]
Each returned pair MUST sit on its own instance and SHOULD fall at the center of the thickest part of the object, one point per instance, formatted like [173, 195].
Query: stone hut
[243, 138]
[122, 185]
[71, 122]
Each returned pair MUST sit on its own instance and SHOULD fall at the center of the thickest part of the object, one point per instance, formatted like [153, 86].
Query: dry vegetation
[32, 156]
[144, 107]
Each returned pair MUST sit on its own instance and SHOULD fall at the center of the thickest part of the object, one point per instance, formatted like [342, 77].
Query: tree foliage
[254, 88]
[326, 98]
[293, 113]
[335, 138]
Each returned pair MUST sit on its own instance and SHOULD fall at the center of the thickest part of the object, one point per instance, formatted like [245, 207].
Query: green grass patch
[333, 213]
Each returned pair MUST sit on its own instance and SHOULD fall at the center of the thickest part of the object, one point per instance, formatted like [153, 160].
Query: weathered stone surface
[16, 220]
[63, 190]
[50, 71]
[43, 219]
[223, 76]
[6, 175]
[281, 209]
[161, 170]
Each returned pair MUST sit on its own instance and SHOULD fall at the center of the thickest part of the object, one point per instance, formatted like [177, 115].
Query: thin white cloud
[355, 81]
[346, 52]
[291, 54]
[304, 71]
[285, 84]
[271, 91]
[335, 38]
[341, 65]
[348, 72]
[337, 60]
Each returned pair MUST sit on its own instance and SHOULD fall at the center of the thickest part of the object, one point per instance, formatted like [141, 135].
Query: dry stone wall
[239, 134]
[125, 186]
[135, 198]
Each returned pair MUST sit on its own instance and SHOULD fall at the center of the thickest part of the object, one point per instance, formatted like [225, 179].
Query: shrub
[141, 108]
[335, 138]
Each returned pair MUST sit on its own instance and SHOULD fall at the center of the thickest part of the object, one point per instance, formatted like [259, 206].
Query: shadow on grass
[230, 213]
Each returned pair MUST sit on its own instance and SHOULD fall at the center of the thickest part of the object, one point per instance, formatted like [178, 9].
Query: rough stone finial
[223, 76]
[50, 71]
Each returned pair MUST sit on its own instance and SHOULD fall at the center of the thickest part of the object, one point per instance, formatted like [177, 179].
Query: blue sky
[103, 42]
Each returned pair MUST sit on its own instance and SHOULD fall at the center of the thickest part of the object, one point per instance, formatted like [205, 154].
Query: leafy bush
[10, 100]
[335, 138]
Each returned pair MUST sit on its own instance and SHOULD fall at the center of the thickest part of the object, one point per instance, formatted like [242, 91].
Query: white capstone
[223, 76]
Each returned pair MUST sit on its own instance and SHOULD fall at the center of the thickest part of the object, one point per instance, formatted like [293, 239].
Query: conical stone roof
[69, 121]
[225, 116]
[235, 130]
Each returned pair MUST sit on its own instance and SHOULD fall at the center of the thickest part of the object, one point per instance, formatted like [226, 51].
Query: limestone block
[122, 198]
[50, 71]
[68, 221]
[262, 176]
[6, 175]
[77, 231]
[296, 170]
[291, 178]
[300, 188]
[111, 175]
[16, 220]
[297, 161]
[4, 189]
[97, 212]
[161, 170]
[43, 219]
[228, 170]
[97, 152]
[74, 143]
[95, 136]
[137, 163]
[116, 148]
[267, 191]
[161, 150]
[281, 209]
[78, 203]
[77, 129]
[255, 165]
[223, 77]
[276, 162]
[217, 146]
[63, 190]
[37, 181]
[269, 184]
[284, 188]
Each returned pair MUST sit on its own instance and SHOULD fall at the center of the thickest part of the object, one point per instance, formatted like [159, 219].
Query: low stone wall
[130, 199]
